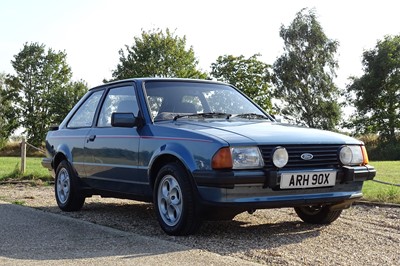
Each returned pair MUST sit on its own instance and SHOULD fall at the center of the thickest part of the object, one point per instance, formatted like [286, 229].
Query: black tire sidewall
[74, 201]
[323, 216]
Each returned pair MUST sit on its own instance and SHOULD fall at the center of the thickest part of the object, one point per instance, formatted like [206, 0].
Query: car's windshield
[167, 99]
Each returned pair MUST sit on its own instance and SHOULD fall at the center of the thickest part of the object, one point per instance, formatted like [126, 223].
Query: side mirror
[53, 127]
[279, 118]
[124, 120]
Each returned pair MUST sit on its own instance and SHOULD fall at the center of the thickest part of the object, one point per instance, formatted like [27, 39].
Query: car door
[112, 152]
[77, 129]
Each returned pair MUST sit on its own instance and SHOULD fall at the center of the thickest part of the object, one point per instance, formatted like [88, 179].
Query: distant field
[388, 171]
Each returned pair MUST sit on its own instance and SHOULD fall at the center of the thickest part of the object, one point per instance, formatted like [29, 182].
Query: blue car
[199, 150]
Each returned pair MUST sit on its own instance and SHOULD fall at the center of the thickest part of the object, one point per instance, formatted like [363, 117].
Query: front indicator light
[365, 155]
[222, 159]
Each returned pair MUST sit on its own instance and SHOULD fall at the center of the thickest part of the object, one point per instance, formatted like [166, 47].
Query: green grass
[19, 202]
[387, 171]
[10, 169]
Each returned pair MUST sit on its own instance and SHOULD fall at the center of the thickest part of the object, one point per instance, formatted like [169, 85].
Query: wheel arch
[159, 162]
[58, 158]
[63, 153]
[169, 153]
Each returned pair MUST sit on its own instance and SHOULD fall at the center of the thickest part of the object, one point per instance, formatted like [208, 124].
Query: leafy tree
[377, 92]
[8, 116]
[304, 74]
[158, 54]
[249, 75]
[44, 90]
[73, 92]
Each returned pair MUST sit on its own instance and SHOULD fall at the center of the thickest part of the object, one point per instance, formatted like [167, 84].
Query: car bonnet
[260, 132]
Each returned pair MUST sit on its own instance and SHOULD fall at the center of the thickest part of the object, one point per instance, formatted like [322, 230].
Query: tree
[377, 92]
[68, 95]
[8, 116]
[304, 74]
[249, 75]
[43, 86]
[158, 54]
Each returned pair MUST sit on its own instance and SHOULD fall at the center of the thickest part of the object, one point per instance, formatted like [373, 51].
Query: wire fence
[36, 148]
[386, 183]
[24, 145]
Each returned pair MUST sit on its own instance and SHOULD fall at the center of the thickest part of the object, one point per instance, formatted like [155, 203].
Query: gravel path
[363, 235]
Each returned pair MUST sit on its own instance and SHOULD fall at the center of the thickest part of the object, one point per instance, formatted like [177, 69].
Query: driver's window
[121, 100]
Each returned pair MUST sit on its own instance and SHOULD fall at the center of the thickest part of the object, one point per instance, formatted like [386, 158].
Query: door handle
[91, 138]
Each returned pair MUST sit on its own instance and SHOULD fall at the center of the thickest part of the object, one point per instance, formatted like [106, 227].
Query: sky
[92, 32]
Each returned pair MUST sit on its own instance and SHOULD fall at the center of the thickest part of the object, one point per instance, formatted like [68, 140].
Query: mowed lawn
[387, 171]
[10, 169]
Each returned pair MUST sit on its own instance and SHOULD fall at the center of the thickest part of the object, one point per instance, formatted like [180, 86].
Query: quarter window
[85, 114]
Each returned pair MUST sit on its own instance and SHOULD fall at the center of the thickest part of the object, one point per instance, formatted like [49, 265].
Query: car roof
[143, 80]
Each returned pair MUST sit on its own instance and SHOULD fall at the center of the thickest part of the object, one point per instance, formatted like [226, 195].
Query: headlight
[246, 157]
[280, 157]
[352, 155]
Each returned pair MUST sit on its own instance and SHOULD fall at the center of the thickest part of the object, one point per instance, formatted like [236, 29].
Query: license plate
[308, 179]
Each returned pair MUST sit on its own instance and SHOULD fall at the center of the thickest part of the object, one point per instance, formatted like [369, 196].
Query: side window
[121, 100]
[83, 117]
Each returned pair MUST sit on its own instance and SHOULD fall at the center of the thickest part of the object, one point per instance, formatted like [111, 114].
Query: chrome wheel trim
[63, 186]
[169, 198]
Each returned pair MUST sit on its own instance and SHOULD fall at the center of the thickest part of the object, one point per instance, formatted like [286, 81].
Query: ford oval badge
[307, 156]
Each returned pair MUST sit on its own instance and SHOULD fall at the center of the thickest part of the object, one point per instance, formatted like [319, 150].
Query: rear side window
[83, 117]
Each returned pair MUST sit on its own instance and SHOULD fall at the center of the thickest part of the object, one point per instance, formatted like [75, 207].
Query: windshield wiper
[251, 116]
[204, 115]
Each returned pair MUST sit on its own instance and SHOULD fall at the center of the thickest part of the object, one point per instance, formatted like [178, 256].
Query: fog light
[280, 157]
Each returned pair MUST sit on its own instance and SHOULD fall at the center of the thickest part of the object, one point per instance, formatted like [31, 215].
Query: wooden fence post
[23, 155]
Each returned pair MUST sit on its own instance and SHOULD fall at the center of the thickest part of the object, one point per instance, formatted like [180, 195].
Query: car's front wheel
[175, 202]
[317, 214]
[67, 192]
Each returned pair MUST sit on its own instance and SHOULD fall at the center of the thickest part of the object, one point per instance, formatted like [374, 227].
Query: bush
[13, 149]
[381, 150]
[3, 142]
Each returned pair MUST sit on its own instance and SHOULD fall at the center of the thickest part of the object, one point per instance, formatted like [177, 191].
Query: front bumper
[256, 189]
[271, 179]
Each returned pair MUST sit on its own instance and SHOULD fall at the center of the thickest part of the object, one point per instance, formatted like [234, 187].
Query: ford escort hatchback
[199, 150]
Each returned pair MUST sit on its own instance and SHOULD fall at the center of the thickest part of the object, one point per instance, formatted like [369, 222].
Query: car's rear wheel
[317, 214]
[67, 192]
[175, 202]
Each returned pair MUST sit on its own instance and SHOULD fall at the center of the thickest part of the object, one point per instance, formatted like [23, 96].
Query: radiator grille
[324, 156]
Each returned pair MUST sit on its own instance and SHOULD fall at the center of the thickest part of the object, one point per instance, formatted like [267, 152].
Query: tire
[66, 189]
[174, 201]
[317, 214]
